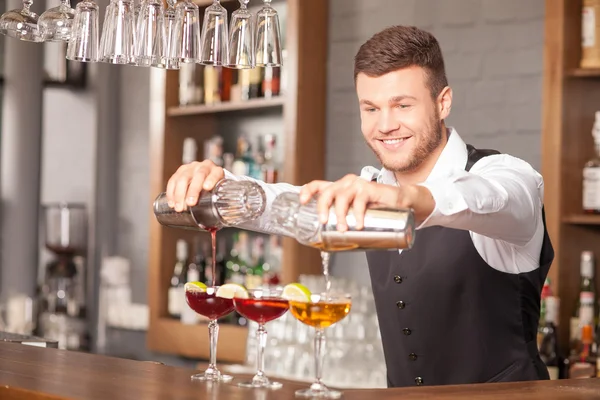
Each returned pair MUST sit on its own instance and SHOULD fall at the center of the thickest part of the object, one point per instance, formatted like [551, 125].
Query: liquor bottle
[269, 169]
[198, 83]
[583, 362]
[590, 34]
[187, 85]
[190, 149]
[548, 336]
[587, 294]
[270, 85]
[176, 294]
[256, 83]
[212, 91]
[383, 229]
[591, 174]
[244, 76]
[225, 82]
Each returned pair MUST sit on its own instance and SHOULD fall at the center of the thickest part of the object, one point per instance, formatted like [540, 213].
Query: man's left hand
[360, 194]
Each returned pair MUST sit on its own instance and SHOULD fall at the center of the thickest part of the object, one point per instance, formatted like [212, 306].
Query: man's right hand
[185, 185]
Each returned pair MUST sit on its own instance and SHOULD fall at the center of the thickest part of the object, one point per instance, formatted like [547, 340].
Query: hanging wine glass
[268, 37]
[55, 24]
[151, 37]
[185, 40]
[164, 59]
[117, 43]
[214, 35]
[241, 38]
[21, 24]
[83, 43]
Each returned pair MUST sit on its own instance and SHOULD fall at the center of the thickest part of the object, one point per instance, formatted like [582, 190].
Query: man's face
[400, 120]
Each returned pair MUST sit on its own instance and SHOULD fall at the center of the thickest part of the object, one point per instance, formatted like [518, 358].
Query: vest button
[419, 381]
[398, 279]
[406, 331]
[412, 356]
[400, 304]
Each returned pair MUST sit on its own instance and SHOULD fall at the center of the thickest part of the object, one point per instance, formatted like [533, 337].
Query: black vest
[447, 317]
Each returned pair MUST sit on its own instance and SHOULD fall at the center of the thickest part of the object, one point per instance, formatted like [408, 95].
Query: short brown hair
[400, 47]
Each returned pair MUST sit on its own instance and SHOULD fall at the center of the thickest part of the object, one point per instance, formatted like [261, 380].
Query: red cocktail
[204, 301]
[262, 310]
[261, 306]
[208, 304]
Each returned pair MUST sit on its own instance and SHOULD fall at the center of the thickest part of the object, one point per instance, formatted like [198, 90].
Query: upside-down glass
[214, 35]
[241, 38]
[164, 60]
[268, 37]
[55, 23]
[262, 305]
[320, 311]
[151, 35]
[206, 303]
[83, 43]
[117, 43]
[185, 41]
[21, 24]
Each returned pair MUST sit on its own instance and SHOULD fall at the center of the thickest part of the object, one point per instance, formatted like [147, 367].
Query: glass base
[318, 390]
[212, 375]
[261, 382]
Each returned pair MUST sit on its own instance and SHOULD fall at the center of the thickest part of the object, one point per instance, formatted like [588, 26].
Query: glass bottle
[383, 228]
[230, 203]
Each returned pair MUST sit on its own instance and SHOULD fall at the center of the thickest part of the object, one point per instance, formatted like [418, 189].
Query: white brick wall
[493, 51]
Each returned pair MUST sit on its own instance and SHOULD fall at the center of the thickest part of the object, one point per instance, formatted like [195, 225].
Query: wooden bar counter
[35, 373]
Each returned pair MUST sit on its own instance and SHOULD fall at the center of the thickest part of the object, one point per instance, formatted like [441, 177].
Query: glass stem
[319, 353]
[261, 335]
[213, 335]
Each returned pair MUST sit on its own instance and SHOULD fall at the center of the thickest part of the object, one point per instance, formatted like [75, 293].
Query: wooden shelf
[298, 119]
[584, 73]
[253, 104]
[582, 219]
[569, 105]
[171, 336]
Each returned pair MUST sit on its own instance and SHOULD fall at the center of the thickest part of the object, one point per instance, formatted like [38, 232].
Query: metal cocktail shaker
[383, 229]
[230, 203]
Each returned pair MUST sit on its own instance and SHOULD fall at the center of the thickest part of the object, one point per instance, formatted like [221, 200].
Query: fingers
[311, 189]
[185, 185]
[341, 195]
[359, 207]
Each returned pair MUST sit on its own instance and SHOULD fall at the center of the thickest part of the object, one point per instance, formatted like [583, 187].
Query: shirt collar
[454, 155]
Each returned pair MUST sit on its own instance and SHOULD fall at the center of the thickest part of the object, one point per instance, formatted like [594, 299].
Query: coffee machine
[61, 292]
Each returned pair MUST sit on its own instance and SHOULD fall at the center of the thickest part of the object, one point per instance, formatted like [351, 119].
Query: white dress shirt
[499, 201]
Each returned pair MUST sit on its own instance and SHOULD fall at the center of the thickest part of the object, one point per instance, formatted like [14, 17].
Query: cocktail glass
[261, 306]
[204, 301]
[320, 311]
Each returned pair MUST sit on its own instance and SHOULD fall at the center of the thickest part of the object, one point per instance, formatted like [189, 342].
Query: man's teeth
[393, 141]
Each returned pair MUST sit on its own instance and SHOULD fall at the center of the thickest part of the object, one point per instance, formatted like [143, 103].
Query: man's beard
[420, 153]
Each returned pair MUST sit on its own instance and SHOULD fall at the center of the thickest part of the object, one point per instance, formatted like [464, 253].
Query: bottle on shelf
[383, 228]
[269, 169]
[190, 150]
[583, 362]
[587, 295]
[547, 336]
[235, 266]
[176, 294]
[590, 34]
[230, 203]
[187, 84]
[591, 174]
[212, 87]
[256, 82]
[213, 150]
[254, 274]
[270, 83]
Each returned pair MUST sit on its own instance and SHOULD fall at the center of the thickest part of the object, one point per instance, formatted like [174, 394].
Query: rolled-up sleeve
[500, 197]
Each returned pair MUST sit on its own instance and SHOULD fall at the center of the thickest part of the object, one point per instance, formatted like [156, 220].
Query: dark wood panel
[48, 374]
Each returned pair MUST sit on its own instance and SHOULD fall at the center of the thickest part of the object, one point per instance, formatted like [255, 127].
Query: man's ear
[444, 102]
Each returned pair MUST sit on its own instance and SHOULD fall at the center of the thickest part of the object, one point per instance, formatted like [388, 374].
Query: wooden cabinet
[300, 112]
[571, 96]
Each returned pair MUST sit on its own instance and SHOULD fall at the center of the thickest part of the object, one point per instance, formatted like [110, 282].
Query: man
[461, 306]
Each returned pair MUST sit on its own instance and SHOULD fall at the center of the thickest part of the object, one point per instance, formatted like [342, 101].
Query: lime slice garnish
[231, 290]
[296, 291]
[195, 287]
